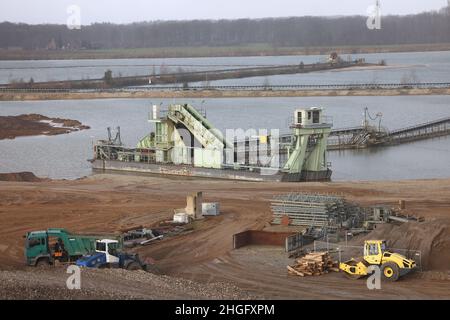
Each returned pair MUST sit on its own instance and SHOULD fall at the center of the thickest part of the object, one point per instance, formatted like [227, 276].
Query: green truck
[55, 245]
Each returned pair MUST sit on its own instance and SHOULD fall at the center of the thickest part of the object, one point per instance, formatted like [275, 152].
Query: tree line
[428, 27]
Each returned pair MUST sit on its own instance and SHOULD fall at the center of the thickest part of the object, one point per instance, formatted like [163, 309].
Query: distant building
[334, 58]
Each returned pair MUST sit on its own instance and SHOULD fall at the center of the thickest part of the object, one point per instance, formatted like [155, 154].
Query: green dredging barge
[185, 143]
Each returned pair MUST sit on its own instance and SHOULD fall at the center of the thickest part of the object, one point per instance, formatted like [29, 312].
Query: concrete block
[194, 205]
[211, 208]
[190, 205]
[181, 217]
[198, 205]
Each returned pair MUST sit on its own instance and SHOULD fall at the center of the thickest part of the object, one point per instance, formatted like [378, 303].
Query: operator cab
[35, 238]
[374, 250]
[307, 117]
[109, 248]
[310, 118]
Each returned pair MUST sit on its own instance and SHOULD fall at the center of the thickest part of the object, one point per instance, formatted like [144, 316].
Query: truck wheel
[133, 266]
[390, 271]
[43, 263]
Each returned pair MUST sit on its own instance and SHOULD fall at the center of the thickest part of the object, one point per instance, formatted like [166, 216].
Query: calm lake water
[403, 67]
[65, 156]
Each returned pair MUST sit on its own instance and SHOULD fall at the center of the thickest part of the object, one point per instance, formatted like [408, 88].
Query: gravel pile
[110, 284]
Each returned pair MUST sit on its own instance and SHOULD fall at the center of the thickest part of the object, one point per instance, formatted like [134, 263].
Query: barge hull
[183, 170]
[189, 171]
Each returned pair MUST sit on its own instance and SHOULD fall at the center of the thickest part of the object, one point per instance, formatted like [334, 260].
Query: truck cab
[36, 248]
[109, 248]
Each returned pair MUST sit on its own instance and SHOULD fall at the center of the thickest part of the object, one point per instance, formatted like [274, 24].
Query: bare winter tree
[428, 27]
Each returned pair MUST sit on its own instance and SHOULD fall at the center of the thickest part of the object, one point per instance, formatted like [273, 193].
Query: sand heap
[20, 176]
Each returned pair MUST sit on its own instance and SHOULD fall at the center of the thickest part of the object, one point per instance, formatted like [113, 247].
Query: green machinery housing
[183, 135]
[307, 156]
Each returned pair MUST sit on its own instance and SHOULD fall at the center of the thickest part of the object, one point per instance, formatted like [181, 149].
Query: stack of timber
[313, 264]
[310, 210]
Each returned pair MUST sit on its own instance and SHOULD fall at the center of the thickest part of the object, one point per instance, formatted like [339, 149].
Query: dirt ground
[204, 256]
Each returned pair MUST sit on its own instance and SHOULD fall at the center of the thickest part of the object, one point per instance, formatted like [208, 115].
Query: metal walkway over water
[430, 129]
[369, 136]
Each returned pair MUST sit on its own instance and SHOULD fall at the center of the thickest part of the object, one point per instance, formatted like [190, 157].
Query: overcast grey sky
[125, 11]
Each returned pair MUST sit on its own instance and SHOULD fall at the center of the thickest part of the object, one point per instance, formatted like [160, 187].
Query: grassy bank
[237, 51]
[220, 94]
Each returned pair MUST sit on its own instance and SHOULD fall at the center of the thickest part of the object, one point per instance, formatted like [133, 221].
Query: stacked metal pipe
[310, 210]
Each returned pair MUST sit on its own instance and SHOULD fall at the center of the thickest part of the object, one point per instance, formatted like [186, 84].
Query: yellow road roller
[392, 265]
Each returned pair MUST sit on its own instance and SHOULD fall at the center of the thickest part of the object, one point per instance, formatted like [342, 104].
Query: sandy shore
[35, 124]
[221, 94]
[112, 202]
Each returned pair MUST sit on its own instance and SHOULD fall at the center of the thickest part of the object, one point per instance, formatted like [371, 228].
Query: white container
[181, 217]
[210, 208]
